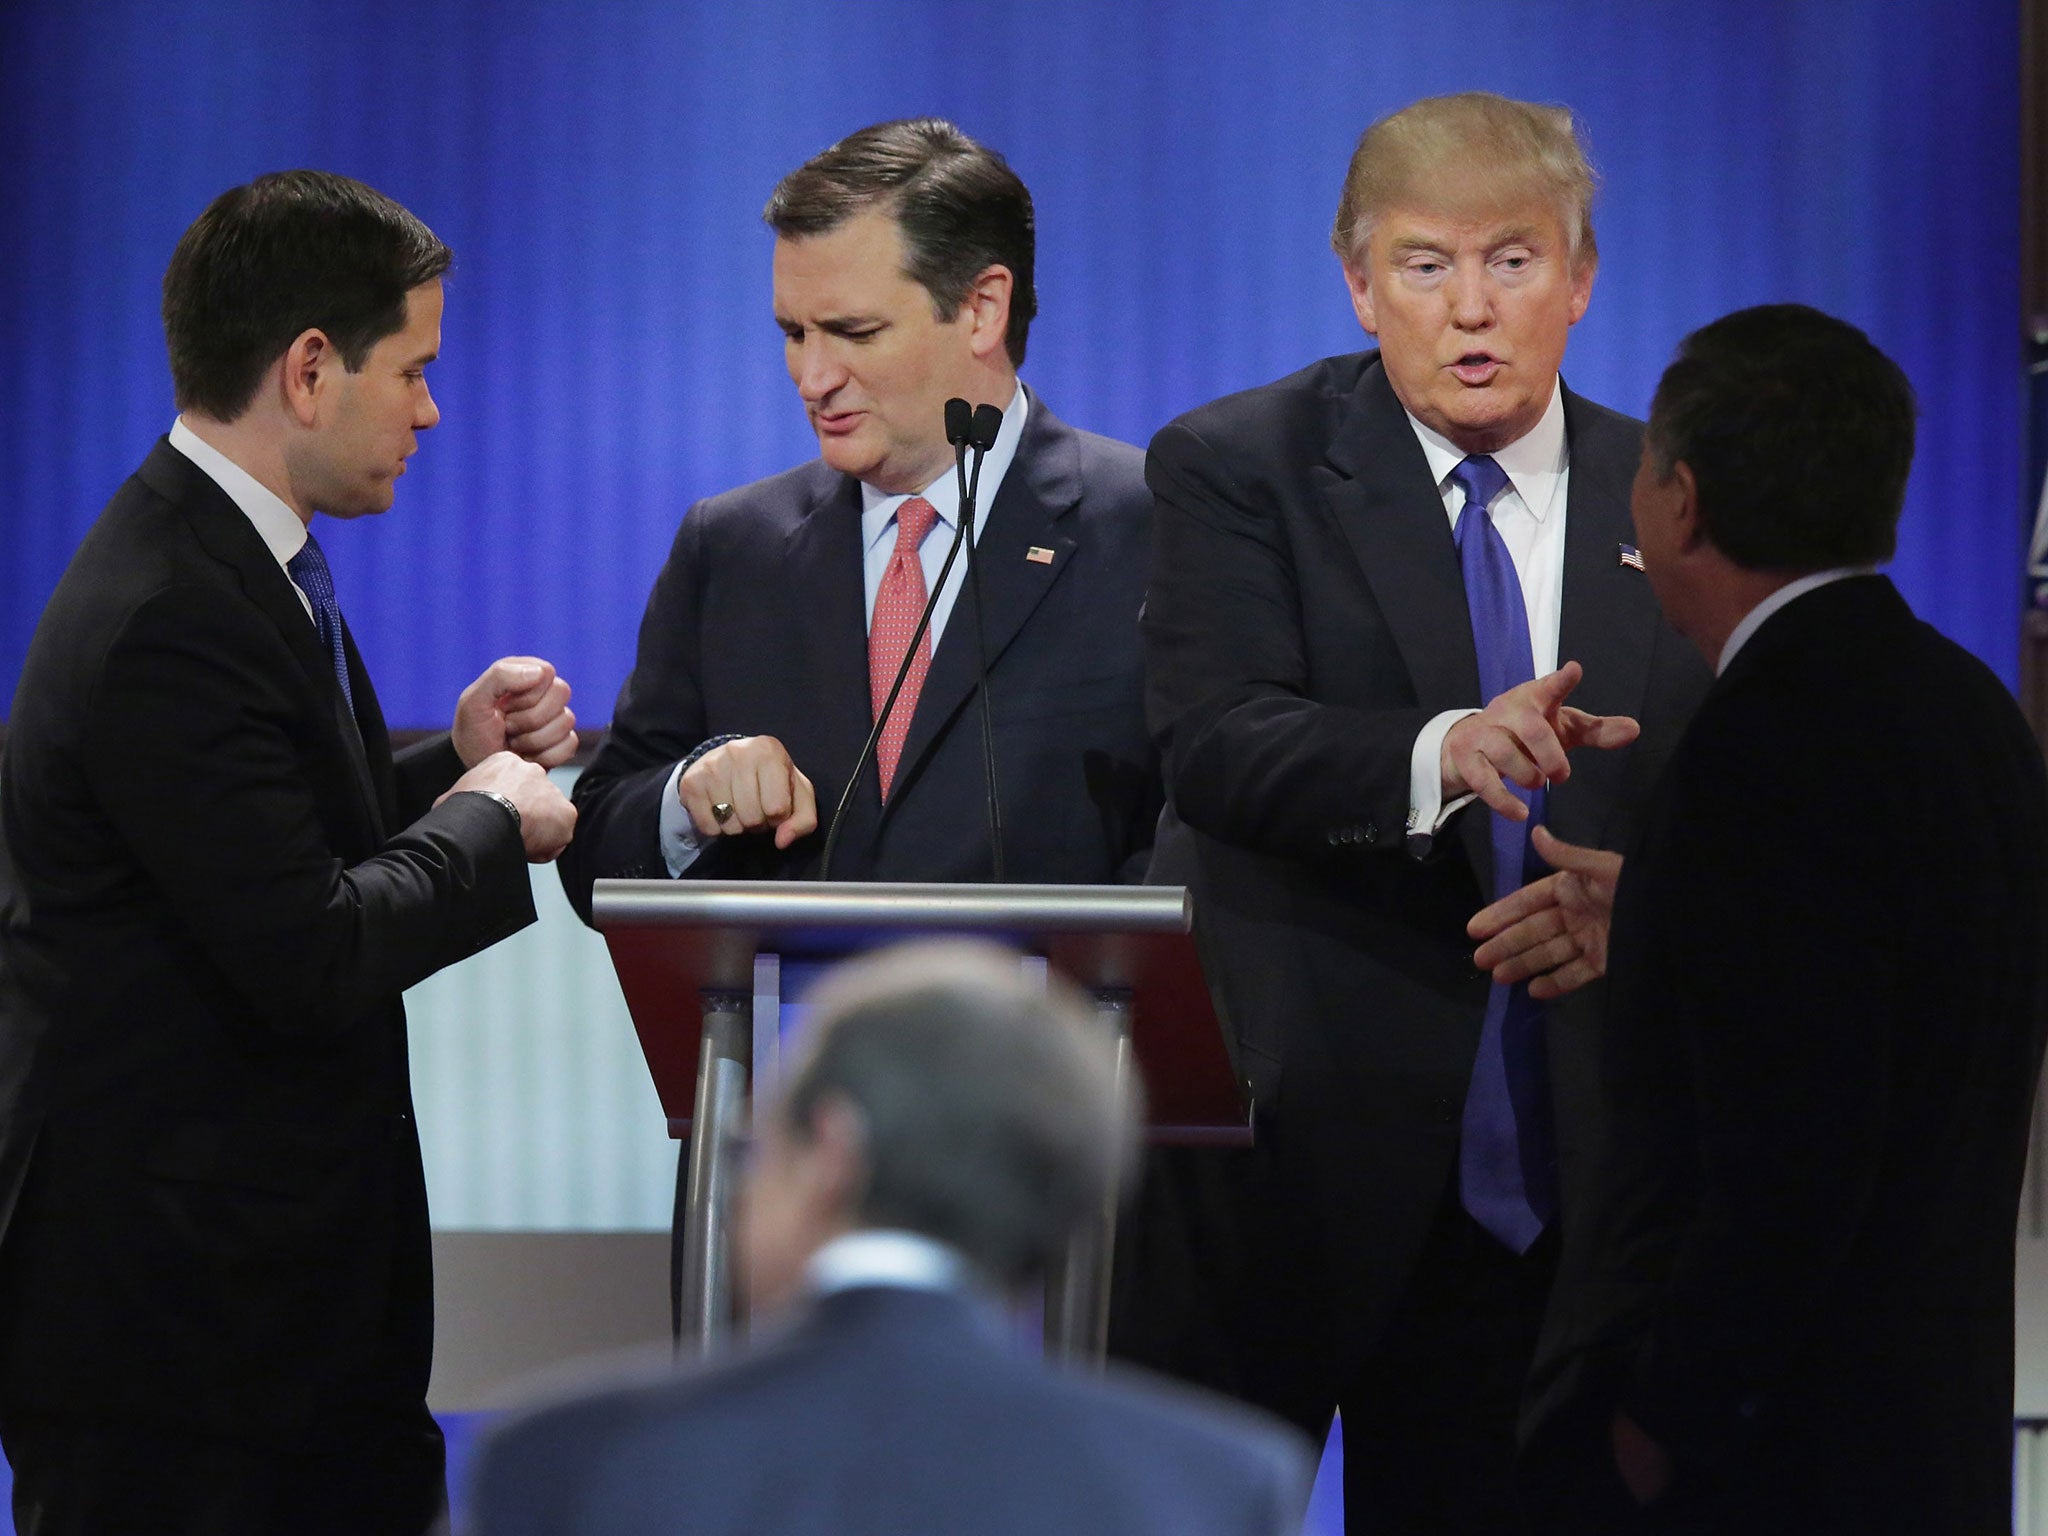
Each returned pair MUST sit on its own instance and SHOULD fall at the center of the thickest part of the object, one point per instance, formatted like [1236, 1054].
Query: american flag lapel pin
[1630, 556]
[1038, 556]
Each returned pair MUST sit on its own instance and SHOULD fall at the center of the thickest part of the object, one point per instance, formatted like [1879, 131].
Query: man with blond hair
[1394, 622]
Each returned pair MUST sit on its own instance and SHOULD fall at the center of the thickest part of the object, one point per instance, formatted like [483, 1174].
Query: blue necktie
[1507, 1173]
[308, 569]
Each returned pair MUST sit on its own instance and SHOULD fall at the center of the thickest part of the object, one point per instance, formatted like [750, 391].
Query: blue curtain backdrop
[599, 169]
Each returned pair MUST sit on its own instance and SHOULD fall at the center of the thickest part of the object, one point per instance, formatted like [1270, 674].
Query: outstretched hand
[1552, 933]
[1523, 736]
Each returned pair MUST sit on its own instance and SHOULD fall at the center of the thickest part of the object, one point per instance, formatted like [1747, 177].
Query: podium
[700, 960]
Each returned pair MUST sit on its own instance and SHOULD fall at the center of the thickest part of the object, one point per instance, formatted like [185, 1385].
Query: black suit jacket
[1307, 617]
[889, 1411]
[214, 887]
[1828, 966]
[758, 626]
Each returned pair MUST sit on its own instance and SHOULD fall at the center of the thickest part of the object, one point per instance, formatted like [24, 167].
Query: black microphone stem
[988, 748]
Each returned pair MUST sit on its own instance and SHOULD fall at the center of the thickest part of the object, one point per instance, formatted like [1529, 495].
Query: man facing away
[1393, 604]
[1787, 1303]
[903, 278]
[950, 1125]
[216, 880]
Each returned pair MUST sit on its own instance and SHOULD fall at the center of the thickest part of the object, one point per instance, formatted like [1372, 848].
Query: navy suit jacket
[884, 1412]
[214, 887]
[758, 626]
[1306, 618]
[1829, 973]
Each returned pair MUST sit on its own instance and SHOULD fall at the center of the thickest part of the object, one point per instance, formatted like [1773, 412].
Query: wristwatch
[505, 801]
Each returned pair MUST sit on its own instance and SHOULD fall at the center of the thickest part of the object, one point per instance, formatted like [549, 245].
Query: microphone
[982, 429]
[962, 424]
[959, 422]
[983, 426]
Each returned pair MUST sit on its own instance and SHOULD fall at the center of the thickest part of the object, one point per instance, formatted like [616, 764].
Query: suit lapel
[1610, 618]
[1392, 515]
[1041, 488]
[367, 740]
[226, 533]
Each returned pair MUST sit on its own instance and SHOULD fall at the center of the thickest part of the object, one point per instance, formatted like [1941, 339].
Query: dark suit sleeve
[424, 772]
[1252, 757]
[195, 745]
[658, 720]
[1766, 890]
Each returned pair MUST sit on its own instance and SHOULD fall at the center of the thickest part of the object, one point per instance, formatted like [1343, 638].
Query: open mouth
[1476, 367]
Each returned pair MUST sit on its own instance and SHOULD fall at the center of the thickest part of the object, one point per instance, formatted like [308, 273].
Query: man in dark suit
[1787, 1304]
[951, 1124]
[215, 882]
[1375, 585]
[903, 278]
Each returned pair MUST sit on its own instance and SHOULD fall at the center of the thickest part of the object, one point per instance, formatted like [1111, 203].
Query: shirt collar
[1534, 462]
[279, 526]
[906, 1260]
[1753, 620]
[878, 508]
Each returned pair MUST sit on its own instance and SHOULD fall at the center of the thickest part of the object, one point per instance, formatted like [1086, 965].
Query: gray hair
[1474, 149]
[992, 1114]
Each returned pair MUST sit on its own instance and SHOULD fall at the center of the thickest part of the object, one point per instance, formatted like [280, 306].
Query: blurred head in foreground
[943, 1093]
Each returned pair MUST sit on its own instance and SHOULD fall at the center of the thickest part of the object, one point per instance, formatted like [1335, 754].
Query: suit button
[1369, 833]
[1446, 1111]
[1335, 836]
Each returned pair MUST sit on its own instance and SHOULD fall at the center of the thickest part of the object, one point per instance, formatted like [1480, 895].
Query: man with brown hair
[216, 882]
[903, 277]
[1394, 620]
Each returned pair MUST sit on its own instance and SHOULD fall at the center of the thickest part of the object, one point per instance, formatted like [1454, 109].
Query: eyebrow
[835, 324]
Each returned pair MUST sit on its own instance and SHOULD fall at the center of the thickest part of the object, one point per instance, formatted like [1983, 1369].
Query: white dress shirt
[276, 524]
[886, 1256]
[678, 835]
[1530, 517]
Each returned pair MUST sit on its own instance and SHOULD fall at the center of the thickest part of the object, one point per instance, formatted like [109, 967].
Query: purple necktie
[308, 569]
[1507, 1174]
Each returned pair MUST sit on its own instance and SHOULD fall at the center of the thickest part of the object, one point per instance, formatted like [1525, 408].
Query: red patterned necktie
[898, 602]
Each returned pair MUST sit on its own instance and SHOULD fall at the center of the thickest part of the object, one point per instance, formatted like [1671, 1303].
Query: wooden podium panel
[671, 941]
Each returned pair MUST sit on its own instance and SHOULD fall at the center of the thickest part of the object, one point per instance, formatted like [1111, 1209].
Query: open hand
[1552, 933]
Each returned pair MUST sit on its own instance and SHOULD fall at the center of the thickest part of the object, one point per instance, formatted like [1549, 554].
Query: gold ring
[721, 812]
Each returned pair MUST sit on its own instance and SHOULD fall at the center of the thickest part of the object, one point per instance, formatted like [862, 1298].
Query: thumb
[1559, 854]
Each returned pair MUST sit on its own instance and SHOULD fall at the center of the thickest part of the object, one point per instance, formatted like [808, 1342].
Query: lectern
[698, 959]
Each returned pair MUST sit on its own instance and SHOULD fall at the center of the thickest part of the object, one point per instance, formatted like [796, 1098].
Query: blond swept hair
[1469, 152]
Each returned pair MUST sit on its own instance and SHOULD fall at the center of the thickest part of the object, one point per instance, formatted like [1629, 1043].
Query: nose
[1471, 298]
[815, 369]
[425, 413]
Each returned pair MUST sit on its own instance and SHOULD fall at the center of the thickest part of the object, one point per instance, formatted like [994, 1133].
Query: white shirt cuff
[679, 844]
[1427, 811]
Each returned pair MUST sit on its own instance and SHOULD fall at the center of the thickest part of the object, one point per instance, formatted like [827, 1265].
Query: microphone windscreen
[988, 421]
[959, 421]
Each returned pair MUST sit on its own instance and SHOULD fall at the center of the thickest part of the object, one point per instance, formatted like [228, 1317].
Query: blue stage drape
[599, 169]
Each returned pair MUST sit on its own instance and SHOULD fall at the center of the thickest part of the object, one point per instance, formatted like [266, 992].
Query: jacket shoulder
[1289, 421]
